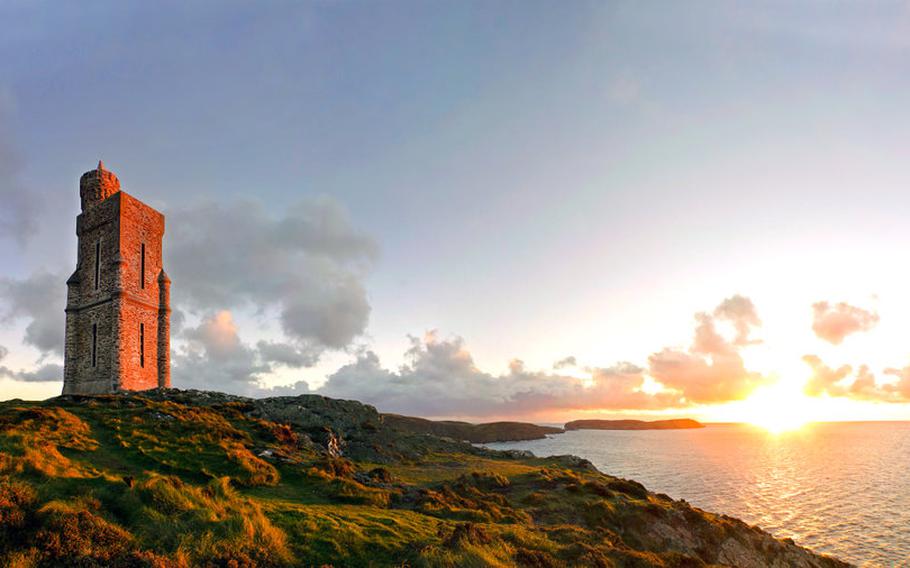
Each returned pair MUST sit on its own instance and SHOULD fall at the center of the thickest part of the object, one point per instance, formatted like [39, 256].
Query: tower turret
[164, 330]
[97, 185]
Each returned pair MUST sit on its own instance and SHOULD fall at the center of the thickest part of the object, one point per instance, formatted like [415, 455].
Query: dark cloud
[309, 263]
[712, 370]
[835, 322]
[285, 354]
[39, 299]
[45, 373]
[51, 372]
[441, 379]
[565, 362]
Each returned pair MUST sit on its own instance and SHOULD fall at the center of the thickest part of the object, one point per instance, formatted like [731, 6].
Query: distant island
[677, 424]
[491, 432]
[474, 433]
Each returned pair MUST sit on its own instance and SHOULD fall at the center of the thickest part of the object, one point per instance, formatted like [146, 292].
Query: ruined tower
[118, 299]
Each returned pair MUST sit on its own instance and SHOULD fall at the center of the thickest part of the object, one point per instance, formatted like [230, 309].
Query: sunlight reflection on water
[841, 489]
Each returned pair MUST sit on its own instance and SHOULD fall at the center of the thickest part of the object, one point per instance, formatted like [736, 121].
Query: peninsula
[475, 433]
[677, 424]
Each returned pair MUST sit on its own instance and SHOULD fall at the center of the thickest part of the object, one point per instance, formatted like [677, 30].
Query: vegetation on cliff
[675, 424]
[182, 478]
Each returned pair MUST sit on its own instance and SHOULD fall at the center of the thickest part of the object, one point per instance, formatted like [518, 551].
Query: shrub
[70, 532]
[255, 472]
[631, 488]
[467, 533]
[16, 503]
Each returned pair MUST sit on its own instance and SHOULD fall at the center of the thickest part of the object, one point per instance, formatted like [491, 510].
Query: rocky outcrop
[343, 428]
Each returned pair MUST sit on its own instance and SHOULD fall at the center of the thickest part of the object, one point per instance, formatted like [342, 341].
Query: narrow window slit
[142, 268]
[142, 345]
[94, 344]
[97, 264]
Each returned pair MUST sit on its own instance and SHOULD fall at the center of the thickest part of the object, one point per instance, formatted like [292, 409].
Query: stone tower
[118, 299]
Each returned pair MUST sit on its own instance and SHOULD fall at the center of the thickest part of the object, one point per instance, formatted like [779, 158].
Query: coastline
[323, 481]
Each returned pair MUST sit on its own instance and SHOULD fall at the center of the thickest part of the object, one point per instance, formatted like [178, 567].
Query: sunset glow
[421, 245]
[778, 408]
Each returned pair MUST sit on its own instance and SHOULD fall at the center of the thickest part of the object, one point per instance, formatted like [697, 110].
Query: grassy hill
[184, 478]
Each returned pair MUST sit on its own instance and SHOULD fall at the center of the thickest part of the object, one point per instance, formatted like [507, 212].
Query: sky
[537, 210]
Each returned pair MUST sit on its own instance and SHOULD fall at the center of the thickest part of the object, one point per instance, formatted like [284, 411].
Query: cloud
[900, 390]
[861, 385]
[565, 362]
[39, 299]
[824, 379]
[835, 322]
[51, 372]
[309, 263]
[21, 205]
[440, 378]
[45, 373]
[712, 370]
[741, 313]
[212, 356]
[285, 354]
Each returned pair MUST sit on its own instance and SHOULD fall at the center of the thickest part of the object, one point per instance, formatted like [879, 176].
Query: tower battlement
[118, 300]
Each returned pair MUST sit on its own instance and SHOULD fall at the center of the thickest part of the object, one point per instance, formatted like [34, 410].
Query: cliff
[180, 478]
[678, 424]
[474, 433]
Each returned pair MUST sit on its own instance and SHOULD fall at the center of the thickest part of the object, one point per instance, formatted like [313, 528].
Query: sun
[777, 408]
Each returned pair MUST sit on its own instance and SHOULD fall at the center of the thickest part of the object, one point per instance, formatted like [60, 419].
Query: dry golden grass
[125, 481]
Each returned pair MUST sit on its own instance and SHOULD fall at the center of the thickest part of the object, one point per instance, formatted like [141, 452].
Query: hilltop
[186, 478]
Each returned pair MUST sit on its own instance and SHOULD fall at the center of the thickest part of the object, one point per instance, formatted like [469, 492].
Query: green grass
[131, 481]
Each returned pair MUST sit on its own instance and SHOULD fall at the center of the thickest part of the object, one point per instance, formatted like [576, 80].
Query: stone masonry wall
[139, 224]
[116, 225]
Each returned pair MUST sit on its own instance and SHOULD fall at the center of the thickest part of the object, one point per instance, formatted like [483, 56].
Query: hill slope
[183, 478]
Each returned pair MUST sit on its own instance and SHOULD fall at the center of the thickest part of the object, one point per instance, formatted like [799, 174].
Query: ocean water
[838, 488]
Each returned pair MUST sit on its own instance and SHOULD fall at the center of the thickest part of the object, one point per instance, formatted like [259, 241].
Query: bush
[467, 533]
[70, 532]
[16, 503]
[255, 472]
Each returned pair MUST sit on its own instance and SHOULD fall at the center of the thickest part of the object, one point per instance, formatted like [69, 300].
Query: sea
[838, 488]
